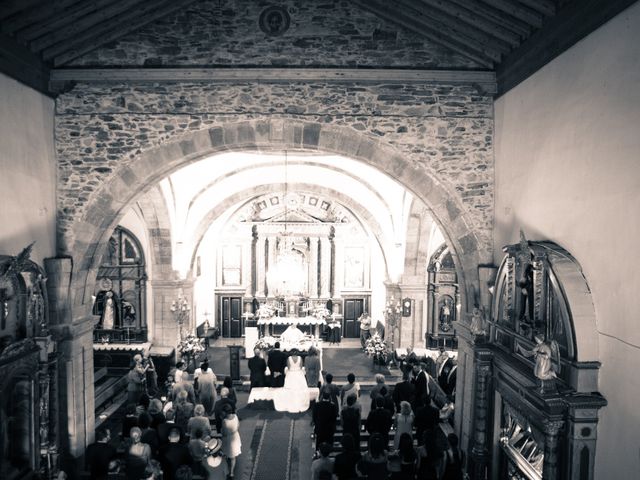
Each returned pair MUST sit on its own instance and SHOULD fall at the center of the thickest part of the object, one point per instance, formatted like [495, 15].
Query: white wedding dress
[294, 396]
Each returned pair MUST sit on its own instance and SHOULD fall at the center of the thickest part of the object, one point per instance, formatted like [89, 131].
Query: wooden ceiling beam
[495, 16]
[391, 15]
[464, 32]
[120, 26]
[39, 13]
[11, 7]
[19, 63]
[82, 23]
[518, 11]
[572, 23]
[545, 7]
[467, 16]
[60, 20]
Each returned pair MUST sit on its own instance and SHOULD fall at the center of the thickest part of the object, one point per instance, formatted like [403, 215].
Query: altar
[267, 324]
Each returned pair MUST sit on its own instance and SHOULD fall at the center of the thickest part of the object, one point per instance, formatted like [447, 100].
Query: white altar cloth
[425, 352]
[292, 320]
[267, 393]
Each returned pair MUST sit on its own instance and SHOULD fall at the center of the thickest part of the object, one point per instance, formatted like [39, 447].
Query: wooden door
[231, 316]
[353, 308]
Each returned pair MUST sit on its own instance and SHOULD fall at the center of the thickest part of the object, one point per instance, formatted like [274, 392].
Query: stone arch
[156, 217]
[83, 236]
[359, 210]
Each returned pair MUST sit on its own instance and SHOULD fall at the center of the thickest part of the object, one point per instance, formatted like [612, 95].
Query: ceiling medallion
[274, 21]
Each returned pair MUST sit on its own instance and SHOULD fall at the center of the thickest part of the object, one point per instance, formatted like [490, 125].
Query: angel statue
[477, 322]
[547, 355]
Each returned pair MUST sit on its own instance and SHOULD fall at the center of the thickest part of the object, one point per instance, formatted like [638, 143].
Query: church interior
[196, 179]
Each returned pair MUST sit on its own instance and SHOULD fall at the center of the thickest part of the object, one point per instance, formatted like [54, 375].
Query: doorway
[231, 316]
[353, 308]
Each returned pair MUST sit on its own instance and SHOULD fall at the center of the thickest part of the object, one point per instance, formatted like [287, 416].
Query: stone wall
[444, 131]
[330, 33]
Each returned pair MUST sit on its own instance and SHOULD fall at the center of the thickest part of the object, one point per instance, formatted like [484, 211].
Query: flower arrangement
[376, 348]
[266, 311]
[265, 343]
[321, 312]
[191, 345]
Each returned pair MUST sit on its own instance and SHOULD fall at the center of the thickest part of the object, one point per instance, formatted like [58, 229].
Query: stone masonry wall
[445, 130]
[329, 33]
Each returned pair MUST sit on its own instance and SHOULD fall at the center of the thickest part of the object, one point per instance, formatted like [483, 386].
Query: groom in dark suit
[277, 362]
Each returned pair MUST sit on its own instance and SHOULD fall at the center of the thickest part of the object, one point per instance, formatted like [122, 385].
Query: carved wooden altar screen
[28, 373]
[535, 410]
[442, 288]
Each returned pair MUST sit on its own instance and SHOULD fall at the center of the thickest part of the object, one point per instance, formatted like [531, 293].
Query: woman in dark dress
[257, 369]
[345, 463]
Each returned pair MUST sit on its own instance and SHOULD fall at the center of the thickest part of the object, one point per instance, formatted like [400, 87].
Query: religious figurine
[547, 356]
[525, 279]
[477, 322]
[445, 315]
[106, 306]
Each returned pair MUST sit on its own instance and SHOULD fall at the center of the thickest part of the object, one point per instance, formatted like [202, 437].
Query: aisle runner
[273, 457]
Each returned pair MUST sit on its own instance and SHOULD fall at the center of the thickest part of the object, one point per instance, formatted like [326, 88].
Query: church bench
[108, 389]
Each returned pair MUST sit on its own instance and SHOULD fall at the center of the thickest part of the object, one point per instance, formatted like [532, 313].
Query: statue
[106, 306]
[445, 315]
[547, 356]
[477, 322]
[525, 279]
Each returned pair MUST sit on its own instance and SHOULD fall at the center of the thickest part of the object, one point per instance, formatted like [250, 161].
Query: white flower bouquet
[376, 348]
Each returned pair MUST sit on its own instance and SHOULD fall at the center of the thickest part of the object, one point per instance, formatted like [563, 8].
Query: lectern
[234, 361]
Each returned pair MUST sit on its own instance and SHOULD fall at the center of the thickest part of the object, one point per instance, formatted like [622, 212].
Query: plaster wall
[567, 170]
[28, 171]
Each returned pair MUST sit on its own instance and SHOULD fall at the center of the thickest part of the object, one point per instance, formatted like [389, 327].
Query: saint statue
[445, 315]
[106, 306]
[477, 322]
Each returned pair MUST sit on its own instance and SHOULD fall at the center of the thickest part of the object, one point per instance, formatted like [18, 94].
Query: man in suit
[174, 454]
[427, 418]
[404, 391]
[257, 368]
[277, 362]
[380, 421]
[325, 414]
[449, 377]
[421, 382]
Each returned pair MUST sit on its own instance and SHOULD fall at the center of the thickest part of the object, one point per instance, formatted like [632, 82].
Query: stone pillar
[337, 266]
[325, 267]
[432, 305]
[552, 428]
[411, 327]
[272, 258]
[480, 453]
[332, 279]
[166, 328]
[313, 267]
[260, 266]
[254, 260]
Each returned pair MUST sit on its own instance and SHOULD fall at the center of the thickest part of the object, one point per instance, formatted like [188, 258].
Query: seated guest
[138, 456]
[184, 409]
[100, 456]
[345, 463]
[334, 390]
[323, 462]
[199, 421]
[219, 407]
[174, 455]
[373, 465]
[351, 419]
[351, 388]
[228, 382]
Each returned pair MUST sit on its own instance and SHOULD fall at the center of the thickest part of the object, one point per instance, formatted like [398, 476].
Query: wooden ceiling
[512, 37]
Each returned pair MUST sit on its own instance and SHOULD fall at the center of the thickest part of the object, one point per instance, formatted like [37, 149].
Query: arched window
[119, 306]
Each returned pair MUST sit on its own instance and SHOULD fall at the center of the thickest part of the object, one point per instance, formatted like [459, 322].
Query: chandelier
[287, 277]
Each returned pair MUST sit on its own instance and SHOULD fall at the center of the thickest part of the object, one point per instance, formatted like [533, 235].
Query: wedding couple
[294, 395]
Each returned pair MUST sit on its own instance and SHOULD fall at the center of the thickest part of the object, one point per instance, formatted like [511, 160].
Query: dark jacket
[324, 418]
[257, 367]
[404, 391]
[380, 421]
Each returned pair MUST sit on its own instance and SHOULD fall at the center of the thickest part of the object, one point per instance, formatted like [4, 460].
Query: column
[260, 266]
[432, 306]
[313, 267]
[550, 467]
[325, 267]
[480, 451]
[254, 260]
[272, 257]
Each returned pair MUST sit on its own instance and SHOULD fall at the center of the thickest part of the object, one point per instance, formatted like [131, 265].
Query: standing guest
[375, 391]
[174, 455]
[155, 410]
[345, 463]
[442, 359]
[408, 458]
[220, 406]
[184, 410]
[228, 382]
[135, 380]
[349, 389]
[405, 391]
[180, 369]
[130, 420]
[277, 362]
[206, 382]
[214, 465]
[449, 377]
[257, 369]
[231, 444]
[334, 390]
[324, 419]
[149, 435]
[380, 421]
[403, 422]
[184, 473]
[431, 458]
[165, 428]
[421, 381]
[351, 419]
[100, 456]
[197, 449]
[454, 459]
[427, 418]
[312, 368]
[186, 385]
[373, 465]
[365, 328]
[323, 463]
[199, 420]
[151, 375]
[138, 455]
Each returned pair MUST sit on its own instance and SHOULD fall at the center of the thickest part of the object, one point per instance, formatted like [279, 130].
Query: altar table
[308, 320]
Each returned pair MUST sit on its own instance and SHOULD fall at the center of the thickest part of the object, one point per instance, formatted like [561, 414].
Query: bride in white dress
[294, 396]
